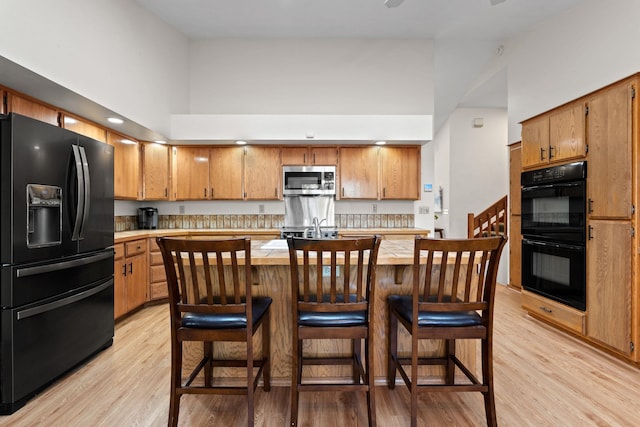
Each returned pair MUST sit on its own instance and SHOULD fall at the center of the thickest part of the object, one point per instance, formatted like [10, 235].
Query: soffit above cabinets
[191, 128]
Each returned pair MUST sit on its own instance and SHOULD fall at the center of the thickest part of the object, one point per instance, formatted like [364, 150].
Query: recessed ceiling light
[381, 142]
[159, 141]
[393, 3]
[241, 142]
[115, 120]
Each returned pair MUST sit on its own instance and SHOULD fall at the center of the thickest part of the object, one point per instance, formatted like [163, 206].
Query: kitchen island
[271, 277]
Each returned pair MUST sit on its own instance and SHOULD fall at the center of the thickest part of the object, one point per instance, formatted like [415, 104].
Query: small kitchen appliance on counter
[147, 218]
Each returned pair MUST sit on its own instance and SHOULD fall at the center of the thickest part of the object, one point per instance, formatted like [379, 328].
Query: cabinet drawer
[155, 258]
[136, 247]
[153, 245]
[554, 312]
[157, 274]
[119, 250]
[158, 291]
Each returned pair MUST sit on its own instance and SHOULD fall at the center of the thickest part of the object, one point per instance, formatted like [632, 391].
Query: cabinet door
[192, 173]
[609, 127]
[609, 280]
[295, 156]
[125, 166]
[567, 133]
[119, 291]
[358, 172]
[262, 173]
[136, 280]
[535, 142]
[83, 127]
[400, 173]
[324, 156]
[155, 160]
[33, 109]
[3, 101]
[515, 171]
[226, 172]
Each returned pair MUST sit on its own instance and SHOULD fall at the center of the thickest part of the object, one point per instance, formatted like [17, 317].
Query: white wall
[277, 76]
[582, 50]
[110, 51]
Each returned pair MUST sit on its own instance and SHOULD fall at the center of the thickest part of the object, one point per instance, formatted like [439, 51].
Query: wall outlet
[374, 208]
[423, 210]
[181, 209]
[260, 208]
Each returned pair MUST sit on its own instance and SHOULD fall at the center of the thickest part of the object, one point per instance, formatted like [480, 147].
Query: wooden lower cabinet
[609, 282]
[157, 276]
[130, 276]
[554, 312]
[515, 252]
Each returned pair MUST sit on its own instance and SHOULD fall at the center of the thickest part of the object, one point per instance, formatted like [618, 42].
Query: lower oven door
[555, 270]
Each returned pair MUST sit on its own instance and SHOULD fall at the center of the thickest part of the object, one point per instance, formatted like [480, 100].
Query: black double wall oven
[553, 233]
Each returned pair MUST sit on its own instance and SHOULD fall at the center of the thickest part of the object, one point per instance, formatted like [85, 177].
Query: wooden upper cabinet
[295, 156]
[358, 172]
[83, 127]
[400, 173]
[325, 156]
[262, 170]
[3, 101]
[192, 173]
[609, 133]
[126, 167]
[156, 160]
[31, 108]
[567, 132]
[535, 142]
[226, 166]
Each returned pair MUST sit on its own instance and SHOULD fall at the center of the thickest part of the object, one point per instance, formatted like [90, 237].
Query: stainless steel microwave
[308, 180]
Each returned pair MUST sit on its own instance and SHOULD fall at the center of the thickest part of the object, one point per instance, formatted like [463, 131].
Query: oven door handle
[553, 245]
[551, 186]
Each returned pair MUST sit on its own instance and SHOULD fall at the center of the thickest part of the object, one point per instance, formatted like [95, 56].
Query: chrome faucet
[316, 227]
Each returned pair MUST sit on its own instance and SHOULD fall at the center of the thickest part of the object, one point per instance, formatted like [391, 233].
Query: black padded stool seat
[403, 304]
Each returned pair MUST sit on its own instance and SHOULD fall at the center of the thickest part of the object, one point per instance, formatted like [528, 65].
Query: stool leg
[393, 350]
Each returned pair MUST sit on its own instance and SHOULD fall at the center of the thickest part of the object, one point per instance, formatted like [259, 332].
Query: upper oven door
[555, 211]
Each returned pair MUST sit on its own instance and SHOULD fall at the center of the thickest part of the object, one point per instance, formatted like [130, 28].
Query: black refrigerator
[56, 249]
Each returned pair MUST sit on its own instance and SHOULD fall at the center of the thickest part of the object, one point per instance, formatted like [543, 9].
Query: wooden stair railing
[490, 222]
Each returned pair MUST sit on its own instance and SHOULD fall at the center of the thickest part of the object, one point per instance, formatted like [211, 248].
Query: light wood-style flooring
[543, 378]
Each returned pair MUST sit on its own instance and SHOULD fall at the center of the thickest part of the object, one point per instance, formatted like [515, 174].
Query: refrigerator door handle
[87, 191]
[80, 191]
[41, 269]
[23, 314]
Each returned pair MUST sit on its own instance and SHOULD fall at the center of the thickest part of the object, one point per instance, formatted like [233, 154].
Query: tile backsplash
[268, 221]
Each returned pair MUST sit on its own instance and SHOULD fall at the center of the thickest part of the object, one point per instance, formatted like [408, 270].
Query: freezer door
[96, 230]
[32, 153]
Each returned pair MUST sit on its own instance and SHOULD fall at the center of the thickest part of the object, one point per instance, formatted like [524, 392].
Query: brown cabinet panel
[535, 142]
[515, 252]
[31, 108]
[130, 276]
[3, 101]
[295, 156]
[609, 133]
[609, 282]
[567, 133]
[226, 172]
[262, 173]
[324, 156]
[192, 173]
[358, 172]
[83, 127]
[126, 166]
[515, 171]
[156, 161]
[400, 173]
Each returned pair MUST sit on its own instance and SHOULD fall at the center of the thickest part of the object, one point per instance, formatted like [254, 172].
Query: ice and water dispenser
[44, 215]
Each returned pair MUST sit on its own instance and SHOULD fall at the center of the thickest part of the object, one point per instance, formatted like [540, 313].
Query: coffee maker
[147, 218]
